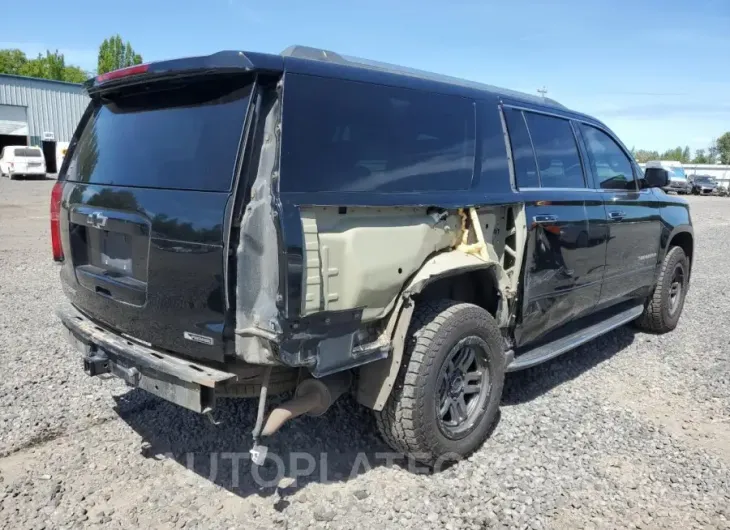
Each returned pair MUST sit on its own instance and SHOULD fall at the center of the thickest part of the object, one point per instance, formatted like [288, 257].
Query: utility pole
[542, 91]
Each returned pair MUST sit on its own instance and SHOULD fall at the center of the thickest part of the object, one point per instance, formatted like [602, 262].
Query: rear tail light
[123, 72]
[55, 221]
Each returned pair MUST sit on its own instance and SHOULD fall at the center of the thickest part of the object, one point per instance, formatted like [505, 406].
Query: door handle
[616, 215]
[544, 218]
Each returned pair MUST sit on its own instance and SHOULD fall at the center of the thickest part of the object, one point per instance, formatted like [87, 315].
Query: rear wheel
[664, 308]
[448, 390]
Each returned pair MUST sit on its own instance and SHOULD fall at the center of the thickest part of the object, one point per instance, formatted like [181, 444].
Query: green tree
[712, 152]
[114, 53]
[74, 74]
[11, 61]
[700, 157]
[673, 154]
[723, 148]
[35, 68]
[686, 155]
[51, 66]
[55, 64]
[642, 155]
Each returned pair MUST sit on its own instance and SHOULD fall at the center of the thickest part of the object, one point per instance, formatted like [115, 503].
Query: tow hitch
[97, 363]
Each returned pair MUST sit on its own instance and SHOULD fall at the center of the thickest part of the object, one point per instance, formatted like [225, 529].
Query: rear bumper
[29, 171]
[187, 383]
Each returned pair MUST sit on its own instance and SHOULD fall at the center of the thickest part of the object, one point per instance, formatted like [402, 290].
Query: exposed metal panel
[13, 120]
[52, 106]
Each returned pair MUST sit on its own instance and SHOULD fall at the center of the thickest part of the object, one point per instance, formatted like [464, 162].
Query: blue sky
[656, 71]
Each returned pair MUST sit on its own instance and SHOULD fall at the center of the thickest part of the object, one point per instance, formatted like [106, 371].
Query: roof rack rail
[315, 54]
[318, 54]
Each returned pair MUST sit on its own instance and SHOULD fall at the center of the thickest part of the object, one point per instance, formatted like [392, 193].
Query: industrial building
[40, 112]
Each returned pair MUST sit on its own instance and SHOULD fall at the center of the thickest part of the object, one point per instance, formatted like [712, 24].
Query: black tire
[410, 422]
[663, 310]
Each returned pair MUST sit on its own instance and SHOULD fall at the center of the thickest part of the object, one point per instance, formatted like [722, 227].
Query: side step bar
[550, 350]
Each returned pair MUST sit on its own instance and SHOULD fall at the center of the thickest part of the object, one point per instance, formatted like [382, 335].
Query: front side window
[348, 136]
[612, 167]
[556, 151]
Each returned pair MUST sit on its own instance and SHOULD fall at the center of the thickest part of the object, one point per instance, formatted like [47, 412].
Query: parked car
[22, 162]
[323, 225]
[704, 185]
[678, 180]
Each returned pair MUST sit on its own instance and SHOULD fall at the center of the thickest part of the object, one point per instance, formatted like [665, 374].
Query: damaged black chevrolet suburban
[245, 224]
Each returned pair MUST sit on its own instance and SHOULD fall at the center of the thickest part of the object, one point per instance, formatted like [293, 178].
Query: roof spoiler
[221, 62]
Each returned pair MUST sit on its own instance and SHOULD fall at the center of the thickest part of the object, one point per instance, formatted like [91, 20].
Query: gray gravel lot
[632, 430]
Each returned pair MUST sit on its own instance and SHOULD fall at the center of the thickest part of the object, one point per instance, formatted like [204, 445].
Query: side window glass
[556, 151]
[522, 153]
[494, 153]
[613, 169]
[348, 136]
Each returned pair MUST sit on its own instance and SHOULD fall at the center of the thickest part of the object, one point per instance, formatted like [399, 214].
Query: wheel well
[479, 287]
[685, 241]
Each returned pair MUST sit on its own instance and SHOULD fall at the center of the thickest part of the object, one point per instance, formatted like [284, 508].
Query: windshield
[678, 171]
[28, 153]
[704, 180]
[184, 138]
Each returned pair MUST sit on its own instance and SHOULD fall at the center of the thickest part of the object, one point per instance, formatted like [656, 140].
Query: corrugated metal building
[39, 112]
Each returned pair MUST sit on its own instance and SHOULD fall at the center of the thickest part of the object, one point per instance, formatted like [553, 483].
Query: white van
[18, 161]
[678, 181]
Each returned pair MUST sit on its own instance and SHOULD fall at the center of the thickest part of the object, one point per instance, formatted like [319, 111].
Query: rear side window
[522, 154]
[28, 153]
[348, 136]
[556, 151]
[184, 138]
[612, 167]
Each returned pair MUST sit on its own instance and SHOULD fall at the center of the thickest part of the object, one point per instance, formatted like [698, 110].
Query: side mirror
[656, 177]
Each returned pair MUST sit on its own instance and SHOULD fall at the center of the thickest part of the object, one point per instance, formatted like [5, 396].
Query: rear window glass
[184, 138]
[348, 136]
[28, 153]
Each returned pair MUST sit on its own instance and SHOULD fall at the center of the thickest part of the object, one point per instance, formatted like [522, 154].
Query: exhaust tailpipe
[312, 396]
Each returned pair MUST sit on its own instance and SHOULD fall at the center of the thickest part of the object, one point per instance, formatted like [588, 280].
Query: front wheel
[447, 394]
[664, 308]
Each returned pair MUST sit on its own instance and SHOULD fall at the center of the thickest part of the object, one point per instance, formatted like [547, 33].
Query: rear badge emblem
[202, 339]
[97, 220]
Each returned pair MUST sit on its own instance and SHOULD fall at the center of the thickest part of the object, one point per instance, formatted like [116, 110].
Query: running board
[552, 349]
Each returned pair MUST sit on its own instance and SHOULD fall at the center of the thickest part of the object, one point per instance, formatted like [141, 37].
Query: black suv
[703, 185]
[245, 224]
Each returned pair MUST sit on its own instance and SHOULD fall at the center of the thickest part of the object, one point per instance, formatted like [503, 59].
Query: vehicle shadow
[526, 385]
[335, 447]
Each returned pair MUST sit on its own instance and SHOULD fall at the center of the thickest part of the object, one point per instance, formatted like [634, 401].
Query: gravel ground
[632, 430]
